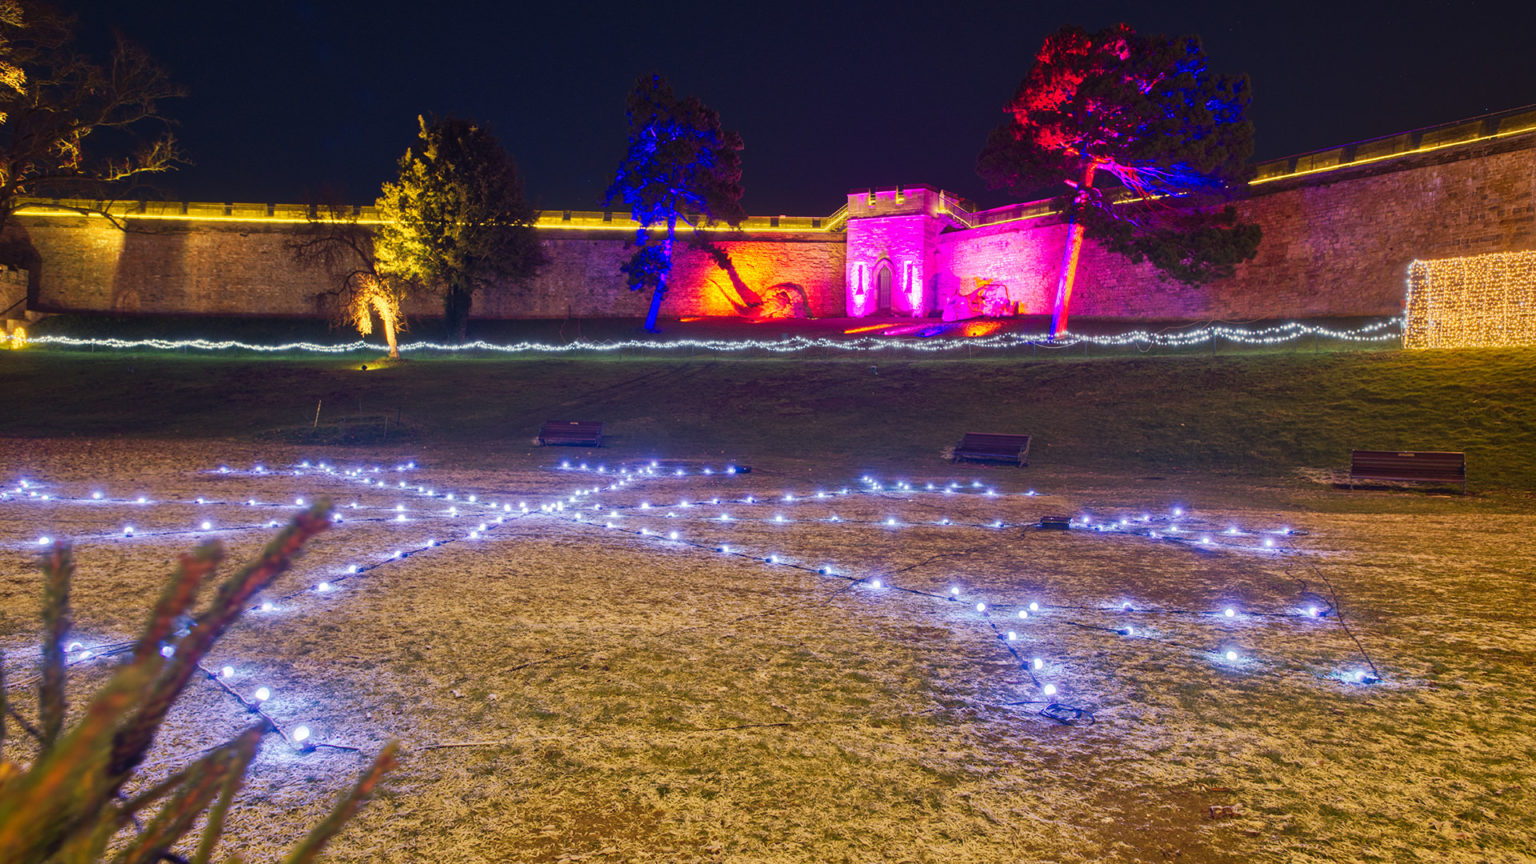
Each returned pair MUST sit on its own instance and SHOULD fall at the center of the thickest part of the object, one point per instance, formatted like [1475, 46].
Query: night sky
[286, 99]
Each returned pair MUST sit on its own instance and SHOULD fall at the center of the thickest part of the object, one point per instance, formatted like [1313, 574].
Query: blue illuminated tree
[679, 167]
[1147, 111]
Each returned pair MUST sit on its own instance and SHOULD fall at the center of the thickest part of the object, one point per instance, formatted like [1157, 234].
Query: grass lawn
[613, 696]
[1260, 416]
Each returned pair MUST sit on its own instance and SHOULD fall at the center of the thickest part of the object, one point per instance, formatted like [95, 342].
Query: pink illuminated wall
[1021, 257]
[895, 231]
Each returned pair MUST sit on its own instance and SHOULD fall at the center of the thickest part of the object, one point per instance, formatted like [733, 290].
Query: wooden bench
[580, 433]
[993, 447]
[1416, 466]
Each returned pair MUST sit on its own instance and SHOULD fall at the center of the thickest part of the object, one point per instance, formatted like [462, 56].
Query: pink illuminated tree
[1146, 111]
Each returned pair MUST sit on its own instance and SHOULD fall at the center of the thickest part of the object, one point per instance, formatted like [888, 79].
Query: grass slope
[1254, 415]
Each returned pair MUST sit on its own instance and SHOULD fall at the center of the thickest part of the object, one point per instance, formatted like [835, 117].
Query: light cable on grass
[299, 736]
[1379, 331]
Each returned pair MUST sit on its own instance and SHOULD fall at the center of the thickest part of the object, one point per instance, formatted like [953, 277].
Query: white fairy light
[262, 694]
[1385, 330]
[1049, 689]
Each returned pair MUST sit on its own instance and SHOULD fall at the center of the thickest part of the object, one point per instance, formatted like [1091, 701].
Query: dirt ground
[566, 691]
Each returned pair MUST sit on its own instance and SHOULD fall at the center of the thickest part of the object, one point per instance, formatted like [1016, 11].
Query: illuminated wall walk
[1340, 229]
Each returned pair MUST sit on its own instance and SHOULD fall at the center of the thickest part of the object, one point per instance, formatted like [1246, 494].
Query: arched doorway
[883, 279]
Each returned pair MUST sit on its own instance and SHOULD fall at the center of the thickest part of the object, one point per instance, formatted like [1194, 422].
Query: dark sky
[286, 98]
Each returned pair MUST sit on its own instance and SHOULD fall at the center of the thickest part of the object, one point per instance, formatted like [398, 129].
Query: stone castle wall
[243, 268]
[1336, 243]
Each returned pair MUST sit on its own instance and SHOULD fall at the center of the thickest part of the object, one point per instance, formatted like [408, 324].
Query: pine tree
[66, 802]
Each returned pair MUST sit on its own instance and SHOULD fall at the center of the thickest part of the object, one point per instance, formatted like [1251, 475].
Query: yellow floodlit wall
[1473, 302]
[298, 214]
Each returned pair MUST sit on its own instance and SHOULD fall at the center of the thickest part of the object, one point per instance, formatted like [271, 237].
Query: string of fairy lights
[1386, 330]
[1477, 301]
[580, 507]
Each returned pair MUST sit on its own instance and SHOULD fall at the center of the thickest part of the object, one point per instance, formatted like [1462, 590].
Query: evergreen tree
[680, 167]
[76, 785]
[1147, 111]
[455, 221]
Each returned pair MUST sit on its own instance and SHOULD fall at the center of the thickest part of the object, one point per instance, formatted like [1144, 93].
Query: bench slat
[994, 447]
[1421, 466]
[572, 432]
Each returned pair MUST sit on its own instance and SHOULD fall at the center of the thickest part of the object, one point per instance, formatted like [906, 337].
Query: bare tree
[68, 125]
[335, 242]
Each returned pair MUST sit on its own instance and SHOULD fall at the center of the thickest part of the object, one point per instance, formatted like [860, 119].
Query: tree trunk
[392, 339]
[387, 321]
[661, 278]
[456, 305]
[1069, 255]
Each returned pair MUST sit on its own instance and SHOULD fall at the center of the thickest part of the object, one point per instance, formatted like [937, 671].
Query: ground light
[1036, 663]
